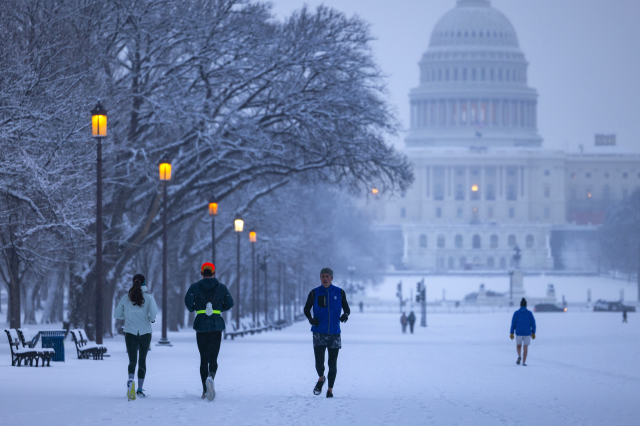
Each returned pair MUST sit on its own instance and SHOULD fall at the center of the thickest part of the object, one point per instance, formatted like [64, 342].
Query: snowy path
[582, 370]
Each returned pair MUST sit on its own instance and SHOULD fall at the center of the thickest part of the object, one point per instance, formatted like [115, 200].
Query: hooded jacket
[137, 319]
[523, 322]
[208, 290]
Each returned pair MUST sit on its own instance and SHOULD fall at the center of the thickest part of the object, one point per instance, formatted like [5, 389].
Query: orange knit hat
[208, 265]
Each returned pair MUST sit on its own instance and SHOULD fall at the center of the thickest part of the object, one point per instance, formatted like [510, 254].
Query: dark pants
[333, 362]
[411, 326]
[137, 343]
[209, 347]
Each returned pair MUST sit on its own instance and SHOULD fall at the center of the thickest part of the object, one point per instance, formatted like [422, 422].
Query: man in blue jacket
[524, 326]
[327, 302]
[208, 297]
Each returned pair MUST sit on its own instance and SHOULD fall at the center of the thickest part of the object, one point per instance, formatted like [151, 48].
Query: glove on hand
[314, 321]
[533, 335]
[511, 336]
[344, 318]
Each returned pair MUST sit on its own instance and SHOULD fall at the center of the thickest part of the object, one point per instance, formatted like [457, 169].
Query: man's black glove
[344, 318]
[314, 321]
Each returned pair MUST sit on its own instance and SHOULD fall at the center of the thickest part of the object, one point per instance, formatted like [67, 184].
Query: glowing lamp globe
[99, 121]
[165, 171]
[253, 237]
[213, 209]
[239, 224]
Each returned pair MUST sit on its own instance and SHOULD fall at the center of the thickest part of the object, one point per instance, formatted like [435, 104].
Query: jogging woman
[138, 309]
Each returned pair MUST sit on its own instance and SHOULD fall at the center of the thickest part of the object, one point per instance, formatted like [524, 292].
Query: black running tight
[209, 347]
[137, 344]
[333, 362]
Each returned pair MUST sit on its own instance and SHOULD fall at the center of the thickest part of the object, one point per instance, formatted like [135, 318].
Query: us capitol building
[484, 182]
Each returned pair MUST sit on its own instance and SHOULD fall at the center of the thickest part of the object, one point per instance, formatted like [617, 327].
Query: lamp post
[352, 270]
[239, 226]
[165, 177]
[99, 131]
[213, 212]
[252, 239]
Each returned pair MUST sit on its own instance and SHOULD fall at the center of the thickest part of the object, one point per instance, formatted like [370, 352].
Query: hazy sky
[584, 58]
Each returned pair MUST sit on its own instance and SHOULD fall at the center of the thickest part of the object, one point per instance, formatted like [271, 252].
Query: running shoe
[140, 393]
[131, 393]
[318, 389]
[211, 390]
[518, 361]
[329, 394]
[524, 365]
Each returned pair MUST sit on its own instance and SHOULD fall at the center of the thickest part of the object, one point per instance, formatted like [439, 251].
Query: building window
[503, 263]
[455, 74]
[458, 241]
[403, 212]
[511, 240]
[547, 213]
[440, 241]
[606, 175]
[476, 241]
[511, 192]
[473, 74]
[606, 193]
[463, 262]
[588, 175]
[491, 193]
[529, 241]
[451, 263]
[490, 212]
[490, 262]
[624, 175]
[459, 192]
[438, 212]
[547, 192]
[491, 74]
[494, 241]
[512, 212]
[546, 172]
[459, 213]
[464, 74]
[423, 241]
[438, 192]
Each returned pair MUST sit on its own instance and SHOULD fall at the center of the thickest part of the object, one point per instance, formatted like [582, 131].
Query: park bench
[83, 348]
[88, 343]
[19, 353]
[30, 342]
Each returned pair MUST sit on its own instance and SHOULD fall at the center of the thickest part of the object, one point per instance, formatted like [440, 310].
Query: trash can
[54, 339]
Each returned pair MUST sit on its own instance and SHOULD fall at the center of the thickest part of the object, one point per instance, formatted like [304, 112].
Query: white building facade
[484, 182]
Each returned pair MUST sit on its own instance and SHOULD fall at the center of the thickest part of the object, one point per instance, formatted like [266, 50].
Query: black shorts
[331, 341]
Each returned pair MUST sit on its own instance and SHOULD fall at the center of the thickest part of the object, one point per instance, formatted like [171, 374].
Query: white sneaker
[211, 390]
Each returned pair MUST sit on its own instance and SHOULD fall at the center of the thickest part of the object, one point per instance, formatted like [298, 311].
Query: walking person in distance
[209, 298]
[403, 321]
[412, 321]
[524, 326]
[138, 309]
[327, 302]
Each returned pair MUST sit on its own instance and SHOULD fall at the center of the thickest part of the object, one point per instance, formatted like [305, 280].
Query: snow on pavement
[461, 369]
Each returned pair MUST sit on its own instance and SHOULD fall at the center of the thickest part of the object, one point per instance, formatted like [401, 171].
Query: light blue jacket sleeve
[513, 323]
[119, 312]
[153, 309]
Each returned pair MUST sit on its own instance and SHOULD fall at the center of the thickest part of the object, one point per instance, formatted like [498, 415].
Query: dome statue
[473, 88]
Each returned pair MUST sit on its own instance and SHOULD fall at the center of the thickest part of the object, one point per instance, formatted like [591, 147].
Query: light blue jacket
[137, 319]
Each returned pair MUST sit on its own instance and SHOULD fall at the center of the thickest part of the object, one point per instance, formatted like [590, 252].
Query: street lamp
[352, 270]
[165, 177]
[252, 239]
[239, 226]
[99, 131]
[213, 212]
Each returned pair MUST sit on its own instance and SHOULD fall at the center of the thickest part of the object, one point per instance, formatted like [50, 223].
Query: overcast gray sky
[584, 58]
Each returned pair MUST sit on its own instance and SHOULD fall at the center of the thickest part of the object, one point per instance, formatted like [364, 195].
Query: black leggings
[135, 343]
[209, 347]
[333, 362]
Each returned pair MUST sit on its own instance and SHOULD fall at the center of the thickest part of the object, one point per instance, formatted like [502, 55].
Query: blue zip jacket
[523, 322]
[327, 303]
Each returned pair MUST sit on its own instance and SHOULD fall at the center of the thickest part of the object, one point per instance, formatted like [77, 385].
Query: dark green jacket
[208, 290]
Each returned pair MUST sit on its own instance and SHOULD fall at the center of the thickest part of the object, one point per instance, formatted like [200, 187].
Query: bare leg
[524, 355]
[518, 347]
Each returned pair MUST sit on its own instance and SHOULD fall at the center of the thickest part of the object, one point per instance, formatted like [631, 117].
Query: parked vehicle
[604, 306]
[548, 307]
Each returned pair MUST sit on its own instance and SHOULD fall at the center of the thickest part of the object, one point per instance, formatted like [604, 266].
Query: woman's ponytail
[135, 292]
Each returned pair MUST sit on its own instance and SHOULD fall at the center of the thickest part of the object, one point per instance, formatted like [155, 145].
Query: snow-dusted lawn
[583, 369]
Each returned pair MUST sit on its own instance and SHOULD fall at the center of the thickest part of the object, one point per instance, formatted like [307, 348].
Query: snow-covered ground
[461, 369]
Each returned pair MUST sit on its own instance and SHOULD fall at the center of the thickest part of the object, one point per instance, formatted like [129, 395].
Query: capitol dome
[473, 83]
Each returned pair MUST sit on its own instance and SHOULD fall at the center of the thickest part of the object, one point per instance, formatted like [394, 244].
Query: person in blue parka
[524, 326]
[327, 301]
